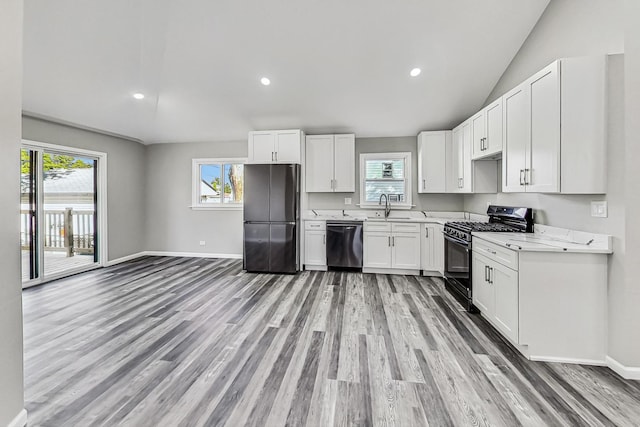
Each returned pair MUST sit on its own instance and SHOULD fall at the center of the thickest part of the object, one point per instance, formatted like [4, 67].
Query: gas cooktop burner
[482, 226]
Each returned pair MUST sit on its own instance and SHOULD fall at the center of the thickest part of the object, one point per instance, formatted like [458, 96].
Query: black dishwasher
[344, 244]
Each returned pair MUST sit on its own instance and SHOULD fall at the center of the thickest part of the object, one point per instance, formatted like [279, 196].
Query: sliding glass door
[59, 213]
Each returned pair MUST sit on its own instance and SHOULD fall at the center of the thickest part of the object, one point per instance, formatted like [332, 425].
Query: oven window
[456, 258]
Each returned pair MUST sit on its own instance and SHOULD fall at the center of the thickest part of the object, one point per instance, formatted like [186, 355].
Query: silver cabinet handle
[393, 240]
[427, 234]
[324, 239]
[491, 275]
[389, 241]
[276, 156]
[522, 177]
[486, 273]
[491, 252]
[272, 158]
[424, 184]
[527, 175]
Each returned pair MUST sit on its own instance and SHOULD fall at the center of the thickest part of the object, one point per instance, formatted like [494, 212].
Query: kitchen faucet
[387, 208]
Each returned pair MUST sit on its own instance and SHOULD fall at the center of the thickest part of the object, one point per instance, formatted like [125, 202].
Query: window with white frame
[385, 173]
[217, 183]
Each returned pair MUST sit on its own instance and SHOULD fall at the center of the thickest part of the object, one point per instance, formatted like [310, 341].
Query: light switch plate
[599, 209]
[347, 200]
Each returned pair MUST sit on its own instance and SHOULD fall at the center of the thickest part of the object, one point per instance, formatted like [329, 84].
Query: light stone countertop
[551, 239]
[378, 216]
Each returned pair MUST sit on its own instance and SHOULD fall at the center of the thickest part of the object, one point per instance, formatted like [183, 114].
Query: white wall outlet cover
[599, 209]
[347, 200]
[202, 243]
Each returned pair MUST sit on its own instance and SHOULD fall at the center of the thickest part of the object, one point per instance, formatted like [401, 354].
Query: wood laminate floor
[163, 341]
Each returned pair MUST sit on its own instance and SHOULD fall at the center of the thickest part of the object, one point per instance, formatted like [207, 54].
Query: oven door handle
[458, 241]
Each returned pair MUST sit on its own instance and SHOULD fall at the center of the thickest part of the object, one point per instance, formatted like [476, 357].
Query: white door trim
[103, 247]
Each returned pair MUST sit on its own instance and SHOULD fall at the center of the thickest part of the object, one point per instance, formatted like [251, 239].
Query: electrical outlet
[599, 209]
[202, 243]
[347, 200]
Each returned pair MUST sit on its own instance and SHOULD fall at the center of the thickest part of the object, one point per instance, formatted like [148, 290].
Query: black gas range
[457, 246]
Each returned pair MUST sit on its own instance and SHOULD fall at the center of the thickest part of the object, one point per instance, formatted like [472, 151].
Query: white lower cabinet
[377, 249]
[431, 249]
[505, 283]
[495, 293]
[315, 245]
[405, 251]
[391, 246]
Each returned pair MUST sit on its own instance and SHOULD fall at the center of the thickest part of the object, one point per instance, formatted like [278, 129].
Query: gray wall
[171, 224]
[427, 202]
[126, 164]
[11, 384]
[625, 339]
[567, 29]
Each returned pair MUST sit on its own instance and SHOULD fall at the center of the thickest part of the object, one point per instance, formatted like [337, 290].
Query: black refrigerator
[271, 218]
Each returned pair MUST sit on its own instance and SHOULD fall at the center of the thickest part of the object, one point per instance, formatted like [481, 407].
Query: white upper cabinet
[516, 138]
[554, 130]
[478, 134]
[278, 146]
[434, 148]
[330, 163]
[542, 170]
[319, 163]
[465, 175]
[288, 146]
[461, 143]
[486, 132]
[344, 165]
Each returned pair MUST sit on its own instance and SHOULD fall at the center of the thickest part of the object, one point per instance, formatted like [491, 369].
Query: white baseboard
[626, 372]
[178, 254]
[124, 259]
[391, 271]
[20, 420]
[192, 254]
[593, 362]
[315, 267]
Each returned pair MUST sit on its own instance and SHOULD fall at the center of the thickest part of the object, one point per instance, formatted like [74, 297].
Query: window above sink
[385, 173]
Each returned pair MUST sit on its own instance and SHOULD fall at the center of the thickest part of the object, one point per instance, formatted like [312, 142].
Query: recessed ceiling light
[415, 72]
[138, 95]
[265, 81]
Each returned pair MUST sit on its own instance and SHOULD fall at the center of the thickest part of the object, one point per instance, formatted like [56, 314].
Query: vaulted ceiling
[334, 65]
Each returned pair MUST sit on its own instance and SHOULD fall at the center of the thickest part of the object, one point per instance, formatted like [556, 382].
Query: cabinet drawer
[376, 226]
[315, 225]
[501, 255]
[405, 227]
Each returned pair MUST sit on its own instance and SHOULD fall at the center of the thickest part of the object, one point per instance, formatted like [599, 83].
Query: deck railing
[64, 230]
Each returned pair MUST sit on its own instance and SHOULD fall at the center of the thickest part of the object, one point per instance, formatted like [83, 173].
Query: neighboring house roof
[69, 181]
[206, 190]
[64, 181]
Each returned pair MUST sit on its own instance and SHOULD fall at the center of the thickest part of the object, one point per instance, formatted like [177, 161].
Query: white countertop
[376, 215]
[551, 239]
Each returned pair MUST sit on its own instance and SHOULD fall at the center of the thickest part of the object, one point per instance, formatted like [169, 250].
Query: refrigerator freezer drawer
[270, 247]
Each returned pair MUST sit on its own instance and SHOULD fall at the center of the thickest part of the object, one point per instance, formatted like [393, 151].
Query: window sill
[216, 208]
